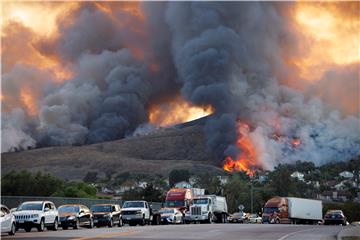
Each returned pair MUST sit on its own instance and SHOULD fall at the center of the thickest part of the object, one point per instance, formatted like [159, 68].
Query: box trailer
[292, 210]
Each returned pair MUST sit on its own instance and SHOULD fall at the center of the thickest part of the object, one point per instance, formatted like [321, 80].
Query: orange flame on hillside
[177, 111]
[246, 160]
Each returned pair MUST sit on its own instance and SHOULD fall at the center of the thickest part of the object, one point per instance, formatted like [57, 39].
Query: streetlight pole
[252, 197]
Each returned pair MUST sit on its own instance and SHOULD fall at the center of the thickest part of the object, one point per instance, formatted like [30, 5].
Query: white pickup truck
[139, 212]
[39, 214]
[136, 212]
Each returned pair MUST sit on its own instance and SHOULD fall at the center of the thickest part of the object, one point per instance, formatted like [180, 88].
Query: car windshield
[238, 214]
[30, 206]
[101, 208]
[68, 209]
[133, 205]
[271, 209]
[175, 203]
[201, 201]
[167, 211]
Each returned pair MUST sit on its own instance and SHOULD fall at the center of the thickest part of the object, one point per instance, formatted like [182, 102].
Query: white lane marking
[293, 233]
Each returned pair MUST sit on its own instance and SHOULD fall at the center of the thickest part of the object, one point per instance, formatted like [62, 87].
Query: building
[339, 196]
[298, 175]
[223, 180]
[182, 184]
[346, 174]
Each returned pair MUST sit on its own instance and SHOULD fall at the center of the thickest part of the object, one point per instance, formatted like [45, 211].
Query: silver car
[7, 221]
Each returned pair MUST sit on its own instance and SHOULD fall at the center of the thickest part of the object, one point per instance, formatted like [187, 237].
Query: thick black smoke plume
[225, 54]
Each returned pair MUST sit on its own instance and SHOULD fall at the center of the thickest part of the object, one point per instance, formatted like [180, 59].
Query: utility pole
[252, 197]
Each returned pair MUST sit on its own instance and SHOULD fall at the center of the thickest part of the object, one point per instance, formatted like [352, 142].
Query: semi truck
[181, 198]
[292, 210]
[207, 208]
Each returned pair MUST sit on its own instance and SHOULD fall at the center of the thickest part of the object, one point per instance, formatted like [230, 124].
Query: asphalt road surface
[190, 232]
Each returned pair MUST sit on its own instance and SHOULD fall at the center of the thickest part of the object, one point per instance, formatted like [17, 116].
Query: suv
[136, 212]
[39, 214]
[106, 215]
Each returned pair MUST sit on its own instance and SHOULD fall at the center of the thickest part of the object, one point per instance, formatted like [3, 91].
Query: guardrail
[14, 201]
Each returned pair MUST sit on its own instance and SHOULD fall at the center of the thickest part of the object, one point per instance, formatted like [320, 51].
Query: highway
[190, 232]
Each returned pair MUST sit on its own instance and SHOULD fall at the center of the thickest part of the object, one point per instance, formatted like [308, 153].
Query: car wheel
[65, 227]
[91, 224]
[28, 229]
[277, 221]
[77, 224]
[13, 229]
[111, 223]
[55, 225]
[132, 223]
[41, 226]
[120, 222]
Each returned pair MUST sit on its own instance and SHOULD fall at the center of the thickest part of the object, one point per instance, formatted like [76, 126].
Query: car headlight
[35, 216]
[71, 218]
[138, 212]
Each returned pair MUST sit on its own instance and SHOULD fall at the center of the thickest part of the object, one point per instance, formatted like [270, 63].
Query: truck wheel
[223, 218]
[209, 220]
[143, 221]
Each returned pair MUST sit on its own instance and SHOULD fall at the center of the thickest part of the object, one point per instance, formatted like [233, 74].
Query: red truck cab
[180, 198]
[276, 210]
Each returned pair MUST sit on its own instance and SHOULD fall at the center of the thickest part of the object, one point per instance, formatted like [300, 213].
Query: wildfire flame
[246, 160]
[177, 111]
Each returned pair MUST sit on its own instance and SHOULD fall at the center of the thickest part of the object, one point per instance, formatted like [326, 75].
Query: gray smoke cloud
[224, 54]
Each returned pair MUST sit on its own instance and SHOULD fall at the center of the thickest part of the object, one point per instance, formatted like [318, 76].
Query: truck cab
[275, 210]
[207, 208]
[180, 198]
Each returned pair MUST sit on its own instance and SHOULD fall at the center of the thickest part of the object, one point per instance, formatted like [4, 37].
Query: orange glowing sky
[176, 111]
[330, 34]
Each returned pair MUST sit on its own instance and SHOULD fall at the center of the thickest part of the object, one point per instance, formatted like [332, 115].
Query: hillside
[159, 152]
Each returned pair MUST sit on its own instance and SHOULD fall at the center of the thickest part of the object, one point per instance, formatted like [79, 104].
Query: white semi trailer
[292, 210]
[207, 208]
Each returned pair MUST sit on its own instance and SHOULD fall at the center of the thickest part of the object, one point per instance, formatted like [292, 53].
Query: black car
[334, 217]
[74, 216]
[107, 215]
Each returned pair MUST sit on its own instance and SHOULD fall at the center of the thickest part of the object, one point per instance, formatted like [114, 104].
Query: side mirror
[46, 209]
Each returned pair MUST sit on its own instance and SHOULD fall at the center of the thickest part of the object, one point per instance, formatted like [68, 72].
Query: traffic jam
[181, 206]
